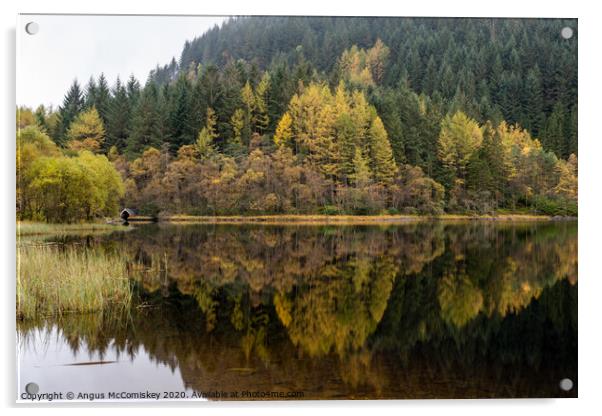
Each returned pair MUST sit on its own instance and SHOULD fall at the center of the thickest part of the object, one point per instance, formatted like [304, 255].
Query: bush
[331, 210]
[70, 189]
[555, 206]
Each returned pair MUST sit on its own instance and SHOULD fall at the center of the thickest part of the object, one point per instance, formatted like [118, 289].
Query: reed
[53, 280]
[25, 228]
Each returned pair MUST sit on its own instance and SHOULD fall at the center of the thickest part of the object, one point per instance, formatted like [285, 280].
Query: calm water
[427, 310]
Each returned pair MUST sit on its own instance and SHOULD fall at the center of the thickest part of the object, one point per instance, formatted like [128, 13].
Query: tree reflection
[356, 311]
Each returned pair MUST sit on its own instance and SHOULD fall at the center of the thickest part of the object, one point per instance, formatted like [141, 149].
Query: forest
[312, 115]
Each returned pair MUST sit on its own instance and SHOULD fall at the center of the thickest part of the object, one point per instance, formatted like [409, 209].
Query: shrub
[331, 210]
[555, 206]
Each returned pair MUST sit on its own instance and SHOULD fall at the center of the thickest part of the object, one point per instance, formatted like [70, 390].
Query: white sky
[69, 47]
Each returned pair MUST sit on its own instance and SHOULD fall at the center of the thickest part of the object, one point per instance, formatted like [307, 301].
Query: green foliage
[70, 189]
[331, 210]
[146, 122]
[73, 103]
[53, 281]
[459, 138]
[361, 175]
[557, 206]
[119, 114]
[207, 135]
[383, 164]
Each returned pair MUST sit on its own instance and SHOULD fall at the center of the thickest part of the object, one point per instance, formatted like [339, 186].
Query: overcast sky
[69, 47]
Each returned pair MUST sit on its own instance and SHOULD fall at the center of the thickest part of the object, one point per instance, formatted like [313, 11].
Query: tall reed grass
[25, 228]
[53, 280]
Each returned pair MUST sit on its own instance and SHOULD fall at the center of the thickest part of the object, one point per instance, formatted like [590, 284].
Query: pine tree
[347, 135]
[376, 60]
[534, 117]
[73, 104]
[207, 135]
[87, 132]
[90, 95]
[225, 99]
[248, 99]
[567, 178]
[415, 69]
[572, 134]
[447, 82]
[238, 123]
[146, 122]
[383, 164]
[41, 118]
[178, 114]
[133, 91]
[284, 133]
[429, 82]
[459, 138]
[553, 137]
[102, 99]
[386, 106]
[361, 174]
[261, 119]
[119, 118]
[280, 92]
[486, 167]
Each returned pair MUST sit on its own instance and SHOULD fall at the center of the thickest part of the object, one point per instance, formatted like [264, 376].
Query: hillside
[337, 115]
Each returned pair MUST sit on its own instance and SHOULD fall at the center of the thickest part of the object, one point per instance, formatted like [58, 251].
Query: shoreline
[30, 228]
[348, 219]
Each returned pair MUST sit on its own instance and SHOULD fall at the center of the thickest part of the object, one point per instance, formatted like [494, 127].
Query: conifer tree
[90, 94]
[459, 138]
[102, 98]
[534, 116]
[553, 136]
[146, 122]
[73, 104]
[261, 119]
[119, 118]
[179, 116]
[361, 174]
[87, 132]
[383, 164]
[133, 91]
[429, 82]
[248, 99]
[238, 123]
[284, 133]
[207, 135]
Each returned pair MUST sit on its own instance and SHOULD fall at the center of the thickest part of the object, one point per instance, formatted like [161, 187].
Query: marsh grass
[26, 228]
[55, 280]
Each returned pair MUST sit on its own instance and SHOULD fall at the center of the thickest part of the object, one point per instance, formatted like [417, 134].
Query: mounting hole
[566, 384]
[32, 28]
[32, 388]
[566, 32]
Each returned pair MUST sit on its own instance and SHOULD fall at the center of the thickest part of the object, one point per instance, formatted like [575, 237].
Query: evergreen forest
[318, 115]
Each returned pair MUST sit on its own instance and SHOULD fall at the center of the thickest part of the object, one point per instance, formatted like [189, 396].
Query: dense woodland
[319, 115]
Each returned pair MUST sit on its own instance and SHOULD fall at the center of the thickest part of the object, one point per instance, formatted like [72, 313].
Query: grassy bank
[25, 228]
[53, 281]
[345, 219]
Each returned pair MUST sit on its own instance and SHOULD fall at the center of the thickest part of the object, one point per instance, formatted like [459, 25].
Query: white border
[590, 158]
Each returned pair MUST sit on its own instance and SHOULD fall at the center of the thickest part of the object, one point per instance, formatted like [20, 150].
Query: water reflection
[414, 311]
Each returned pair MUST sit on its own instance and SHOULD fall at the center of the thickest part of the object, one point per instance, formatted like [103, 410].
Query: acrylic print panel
[293, 208]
